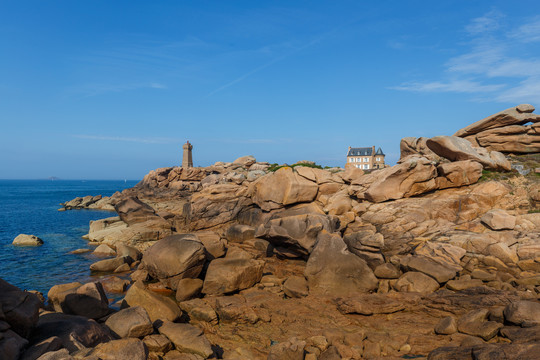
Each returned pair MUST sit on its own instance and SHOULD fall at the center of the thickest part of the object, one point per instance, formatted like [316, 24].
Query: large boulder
[174, 258]
[19, 308]
[75, 332]
[517, 115]
[217, 205]
[132, 211]
[297, 233]
[332, 269]
[187, 338]
[11, 344]
[430, 267]
[523, 313]
[124, 349]
[414, 176]
[414, 281]
[27, 240]
[411, 146]
[231, 274]
[157, 306]
[455, 148]
[130, 322]
[88, 300]
[458, 173]
[245, 161]
[284, 187]
[497, 219]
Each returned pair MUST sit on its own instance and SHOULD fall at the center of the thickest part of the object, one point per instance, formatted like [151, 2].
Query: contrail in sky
[272, 62]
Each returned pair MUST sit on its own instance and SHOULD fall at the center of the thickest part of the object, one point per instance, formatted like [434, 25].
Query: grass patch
[275, 167]
[488, 175]
[534, 211]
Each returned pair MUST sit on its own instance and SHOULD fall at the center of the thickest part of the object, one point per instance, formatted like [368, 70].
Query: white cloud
[484, 24]
[528, 32]
[495, 54]
[460, 86]
[97, 89]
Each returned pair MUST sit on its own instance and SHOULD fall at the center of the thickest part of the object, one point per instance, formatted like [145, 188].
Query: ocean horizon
[30, 206]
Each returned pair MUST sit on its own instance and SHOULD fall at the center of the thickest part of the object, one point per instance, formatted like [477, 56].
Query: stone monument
[187, 160]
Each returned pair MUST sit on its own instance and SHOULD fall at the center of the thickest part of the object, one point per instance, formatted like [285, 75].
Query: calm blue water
[30, 207]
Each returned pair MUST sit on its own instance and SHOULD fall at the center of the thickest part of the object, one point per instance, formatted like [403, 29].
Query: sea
[31, 207]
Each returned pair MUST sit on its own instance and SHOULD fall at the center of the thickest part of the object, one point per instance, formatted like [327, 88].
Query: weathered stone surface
[371, 304]
[217, 205]
[157, 307]
[462, 284]
[295, 287]
[187, 338]
[27, 240]
[132, 210]
[227, 275]
[109, 265]
[239, 233]
[157, 343]
[234, 309]
[36, 350]
[284, 187]
[174, 258]
[214, 245]
[429, 267]
[292, 349]
[411, 146]
[188, 289]
[498, 219]
[456, 149]
[332, 269]
[297, 233]
[414, 176]
[104, 250]
[11, 345]
[245, 161]
[62, 354]
[387, 271]
[447, 326]
[88, 300]
[130, 322]
[366, 244]
[416, 282]
[458, 173]
[72, 330]
[523, 313]
[18, 308]
[123, 249]
[511, 116]
[124, 349]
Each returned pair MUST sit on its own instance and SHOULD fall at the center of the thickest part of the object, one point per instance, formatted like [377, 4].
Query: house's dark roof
[379, 152]
[363, 151]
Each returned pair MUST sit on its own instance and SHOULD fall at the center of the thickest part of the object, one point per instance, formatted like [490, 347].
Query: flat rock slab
[187, 338]
[370, 304]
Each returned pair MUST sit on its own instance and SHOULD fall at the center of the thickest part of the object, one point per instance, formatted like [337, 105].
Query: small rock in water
[27, 240]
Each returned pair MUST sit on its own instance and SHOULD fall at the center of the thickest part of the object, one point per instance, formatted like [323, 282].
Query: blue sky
[112, 89]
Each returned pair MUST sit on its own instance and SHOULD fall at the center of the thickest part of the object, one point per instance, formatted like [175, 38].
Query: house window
[351, 159]
[366, 159]
[357, 159]
[378, 159]
[366, 166]
[358, 166]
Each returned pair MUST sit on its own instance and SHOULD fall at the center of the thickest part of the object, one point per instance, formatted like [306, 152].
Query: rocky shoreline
[437, 257]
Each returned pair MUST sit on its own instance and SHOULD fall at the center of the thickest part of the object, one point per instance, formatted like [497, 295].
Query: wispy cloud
[98, 89]
[460, 86]
[498, 62]
[128, 139]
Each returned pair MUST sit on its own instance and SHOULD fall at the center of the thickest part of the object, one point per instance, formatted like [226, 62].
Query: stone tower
[187, 159]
